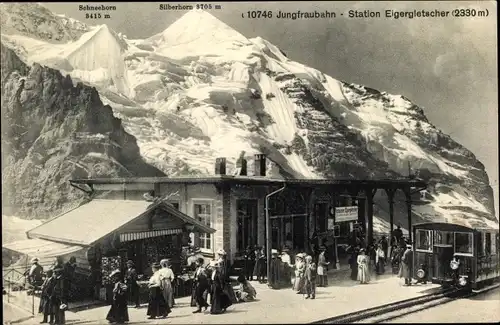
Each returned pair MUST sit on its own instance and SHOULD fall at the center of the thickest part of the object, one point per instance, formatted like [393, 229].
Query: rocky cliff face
[31, 19]
[53, 131]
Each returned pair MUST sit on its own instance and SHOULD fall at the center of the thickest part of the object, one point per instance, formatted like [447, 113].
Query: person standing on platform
[353, 260]
[379, 260]
[310, 277]
[219, 300]
[274, 279]
[47, 288]
[249, 263]
[157, 306]
[58, 298]
[224, 269]
[300, 268]
[385, 246]
[287, 266]
[405, 271]
[200, 285]
[69, 277]
[167, 277]
[131, 282]
[118, 313]
[260, 265]
[363, 270]
[322, 268]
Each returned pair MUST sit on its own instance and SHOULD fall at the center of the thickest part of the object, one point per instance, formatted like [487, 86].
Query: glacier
[201, 90]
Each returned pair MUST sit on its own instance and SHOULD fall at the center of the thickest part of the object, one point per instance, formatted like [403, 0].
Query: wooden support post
[370, 192]
[335, 243]
[390, 195]
[408, 206]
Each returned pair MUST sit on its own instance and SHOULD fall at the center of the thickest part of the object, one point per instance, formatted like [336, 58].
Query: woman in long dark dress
[157, 306]
[219, 300]
[119, 311]
[226, 280]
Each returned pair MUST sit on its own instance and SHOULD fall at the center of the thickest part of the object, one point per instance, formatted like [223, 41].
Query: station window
[463, 243]
[424, 240]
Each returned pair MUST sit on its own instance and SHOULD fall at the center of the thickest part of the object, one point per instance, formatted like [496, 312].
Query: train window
[424, 240]
[487, 244]
[443, 237]
[495, 245]
[480, 244]
[464, 243]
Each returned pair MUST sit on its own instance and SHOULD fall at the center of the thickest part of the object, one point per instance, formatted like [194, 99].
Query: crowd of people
[365, 259]
[55, 288]
[212, 286]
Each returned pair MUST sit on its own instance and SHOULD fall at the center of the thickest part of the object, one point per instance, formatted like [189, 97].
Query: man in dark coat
[249, 262]
[45, 306]
[58, 298]
[200, 285]
[384, 245]
[406, 265]
[69, 276]
[131, 282]
[397, 235]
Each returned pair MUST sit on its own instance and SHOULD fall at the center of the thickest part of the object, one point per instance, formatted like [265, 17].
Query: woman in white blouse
[157, 306]
[167, 277]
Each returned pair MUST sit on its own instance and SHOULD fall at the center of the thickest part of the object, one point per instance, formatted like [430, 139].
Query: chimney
[260, 165]
[220, 166]
[241, 164]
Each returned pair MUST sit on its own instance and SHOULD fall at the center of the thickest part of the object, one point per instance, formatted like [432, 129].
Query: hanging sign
[346, 214]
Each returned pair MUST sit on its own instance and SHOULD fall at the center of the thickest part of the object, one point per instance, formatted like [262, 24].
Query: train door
[443, 253]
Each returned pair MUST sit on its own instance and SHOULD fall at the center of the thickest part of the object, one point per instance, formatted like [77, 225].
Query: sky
[447, 66]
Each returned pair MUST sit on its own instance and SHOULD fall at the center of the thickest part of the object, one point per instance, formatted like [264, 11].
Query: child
[246, 291]
[310, 277]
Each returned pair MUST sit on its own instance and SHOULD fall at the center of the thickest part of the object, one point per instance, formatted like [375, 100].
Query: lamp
[189, 227]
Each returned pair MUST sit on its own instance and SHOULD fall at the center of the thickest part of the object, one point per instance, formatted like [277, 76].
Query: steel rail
[375, 311]
[401, 308]
[431, 304]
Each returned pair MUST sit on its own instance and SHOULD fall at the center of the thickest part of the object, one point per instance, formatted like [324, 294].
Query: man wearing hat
[131, 282]
[406, 265]
[58, 298]
[35, 275]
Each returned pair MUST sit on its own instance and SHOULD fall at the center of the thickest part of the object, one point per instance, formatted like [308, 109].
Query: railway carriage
[455, 255]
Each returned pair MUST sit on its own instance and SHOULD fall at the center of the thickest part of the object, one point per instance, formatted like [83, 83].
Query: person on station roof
[397, 235]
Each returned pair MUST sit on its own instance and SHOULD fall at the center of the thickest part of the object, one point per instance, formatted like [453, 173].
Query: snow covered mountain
[200, 90]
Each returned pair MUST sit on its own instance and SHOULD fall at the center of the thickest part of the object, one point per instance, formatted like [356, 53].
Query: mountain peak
[197, 31]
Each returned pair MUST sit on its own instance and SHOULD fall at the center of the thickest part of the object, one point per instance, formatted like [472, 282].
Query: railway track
[401, 308]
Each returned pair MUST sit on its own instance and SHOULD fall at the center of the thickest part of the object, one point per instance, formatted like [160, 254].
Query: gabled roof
[96, 219]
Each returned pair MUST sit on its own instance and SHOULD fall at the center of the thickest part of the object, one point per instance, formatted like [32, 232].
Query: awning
[91, 221]
[44, 250]
[130, 236]
[96, 219]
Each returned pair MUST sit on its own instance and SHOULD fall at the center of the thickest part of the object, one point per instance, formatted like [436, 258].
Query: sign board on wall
[346, 214]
